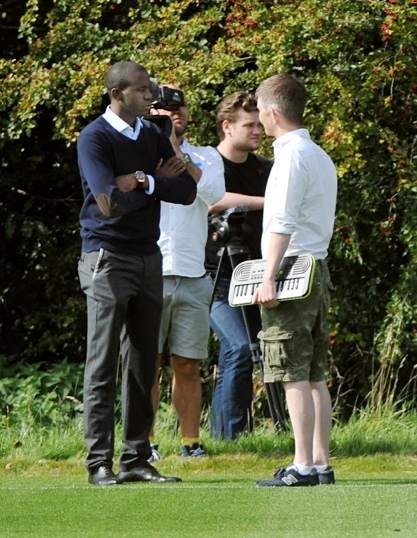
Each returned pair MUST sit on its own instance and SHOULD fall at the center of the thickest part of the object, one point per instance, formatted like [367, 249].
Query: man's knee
[184, 368]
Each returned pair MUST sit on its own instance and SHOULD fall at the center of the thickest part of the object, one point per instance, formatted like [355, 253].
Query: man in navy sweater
[120, 269]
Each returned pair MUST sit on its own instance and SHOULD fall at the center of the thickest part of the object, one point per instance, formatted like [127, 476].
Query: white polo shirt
[300, 196]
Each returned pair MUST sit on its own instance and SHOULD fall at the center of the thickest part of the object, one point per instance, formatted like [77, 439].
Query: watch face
[187, 158]
[140, 177]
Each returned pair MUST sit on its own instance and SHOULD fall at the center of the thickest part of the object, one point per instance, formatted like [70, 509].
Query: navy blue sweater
[103, 154]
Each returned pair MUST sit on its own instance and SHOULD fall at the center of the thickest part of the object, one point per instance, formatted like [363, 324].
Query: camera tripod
[236, 254]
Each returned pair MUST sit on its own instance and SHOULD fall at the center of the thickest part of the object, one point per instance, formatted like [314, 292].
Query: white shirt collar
[121, 126]
[303, 133]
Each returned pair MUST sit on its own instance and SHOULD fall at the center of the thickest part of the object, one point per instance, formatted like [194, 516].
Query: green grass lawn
[374, 496]
[44, 491]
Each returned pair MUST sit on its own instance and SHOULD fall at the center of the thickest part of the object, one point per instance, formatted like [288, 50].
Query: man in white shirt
[299, 210]
[187, 290]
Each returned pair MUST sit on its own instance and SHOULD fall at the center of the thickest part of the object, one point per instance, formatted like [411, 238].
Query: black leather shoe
[103, 476]
[145, 473]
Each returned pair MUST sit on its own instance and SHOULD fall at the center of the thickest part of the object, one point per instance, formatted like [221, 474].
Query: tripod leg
[275, 402]
[273, 391]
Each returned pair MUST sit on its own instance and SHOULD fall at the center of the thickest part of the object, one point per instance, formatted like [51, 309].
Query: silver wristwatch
[187, 158]
[140, 176]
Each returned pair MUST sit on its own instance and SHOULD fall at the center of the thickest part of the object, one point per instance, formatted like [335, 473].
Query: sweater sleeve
[98, 177]
[181, 189]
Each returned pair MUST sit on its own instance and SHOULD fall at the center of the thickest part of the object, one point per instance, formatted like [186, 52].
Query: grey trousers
[124, 306]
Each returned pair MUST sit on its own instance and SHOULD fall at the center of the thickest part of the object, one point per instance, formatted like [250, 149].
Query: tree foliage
[358, 62]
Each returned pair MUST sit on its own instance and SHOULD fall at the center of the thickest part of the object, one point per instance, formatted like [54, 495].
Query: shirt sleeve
[291, 176]
[211, 187]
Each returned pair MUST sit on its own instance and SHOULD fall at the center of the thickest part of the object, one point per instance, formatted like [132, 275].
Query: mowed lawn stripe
[205, 508]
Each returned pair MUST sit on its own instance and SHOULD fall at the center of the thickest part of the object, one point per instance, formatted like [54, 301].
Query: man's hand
[176, 142]
[170, 168]
[266, 295]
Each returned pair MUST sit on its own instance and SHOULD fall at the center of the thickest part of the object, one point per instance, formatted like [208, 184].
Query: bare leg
[323, 410]
[302, 414]
[187, 394]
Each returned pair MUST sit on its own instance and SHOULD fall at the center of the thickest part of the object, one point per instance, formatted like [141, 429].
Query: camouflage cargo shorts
[295, 337]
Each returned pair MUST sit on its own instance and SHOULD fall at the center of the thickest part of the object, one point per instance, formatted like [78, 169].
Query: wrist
[141, 180]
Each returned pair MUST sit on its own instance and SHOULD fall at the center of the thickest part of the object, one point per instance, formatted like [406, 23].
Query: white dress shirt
[184, 228]
[300, 196]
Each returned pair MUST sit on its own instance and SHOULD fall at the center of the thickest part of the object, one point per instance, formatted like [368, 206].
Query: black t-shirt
[248, 178]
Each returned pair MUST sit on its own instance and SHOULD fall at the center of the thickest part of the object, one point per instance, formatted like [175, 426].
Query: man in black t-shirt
[246, 174]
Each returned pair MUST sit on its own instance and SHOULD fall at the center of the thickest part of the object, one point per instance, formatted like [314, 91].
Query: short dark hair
[118, 74]
[286, 94]
[227, 108]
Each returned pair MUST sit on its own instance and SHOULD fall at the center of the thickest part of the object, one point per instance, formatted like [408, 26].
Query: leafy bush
[41, 395]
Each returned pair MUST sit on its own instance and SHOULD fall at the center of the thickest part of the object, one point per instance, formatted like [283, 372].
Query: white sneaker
[155, 456]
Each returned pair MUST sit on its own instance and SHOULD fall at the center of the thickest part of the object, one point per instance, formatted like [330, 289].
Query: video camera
[229, 226]
[166, 99]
